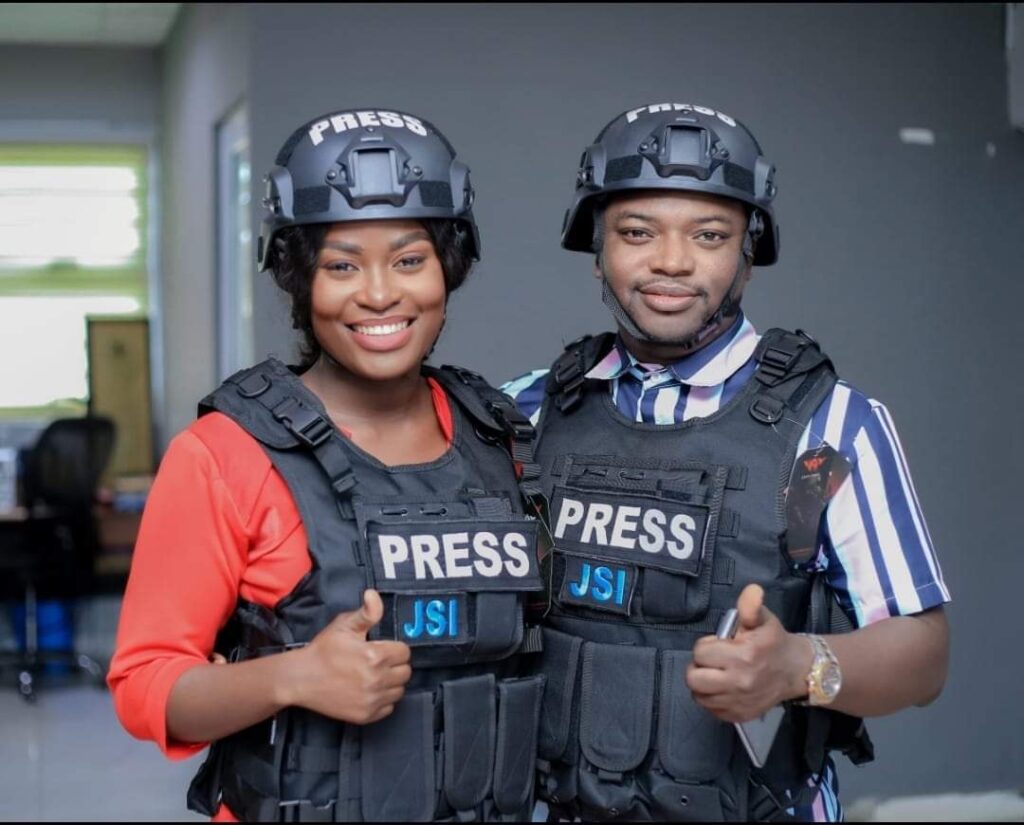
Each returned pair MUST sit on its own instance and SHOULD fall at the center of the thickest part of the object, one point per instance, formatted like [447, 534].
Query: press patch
[469, 556]
[629, 529]
[598, 584]
[438, 619]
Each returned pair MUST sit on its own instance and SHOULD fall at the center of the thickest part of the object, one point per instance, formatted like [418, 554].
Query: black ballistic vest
[656, 529]
[453, 555]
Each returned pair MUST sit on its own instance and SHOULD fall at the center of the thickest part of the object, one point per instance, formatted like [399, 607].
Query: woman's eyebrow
[408, 238]
[344, 246]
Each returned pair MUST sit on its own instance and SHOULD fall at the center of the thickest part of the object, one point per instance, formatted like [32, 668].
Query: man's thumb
[750, 606]
[360, 621]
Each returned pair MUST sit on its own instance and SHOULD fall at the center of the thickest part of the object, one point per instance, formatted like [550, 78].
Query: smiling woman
[356, 543]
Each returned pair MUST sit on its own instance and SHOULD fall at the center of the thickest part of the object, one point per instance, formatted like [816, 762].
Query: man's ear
[597, 267]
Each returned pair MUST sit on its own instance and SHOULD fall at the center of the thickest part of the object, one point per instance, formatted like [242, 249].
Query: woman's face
[378, 297]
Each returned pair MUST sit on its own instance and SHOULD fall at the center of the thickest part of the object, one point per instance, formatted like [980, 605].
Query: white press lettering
[571, 513]
[599, 516]
[343, 122]
[456, 549]
[653, 537]
[485, 545]
[393, 550]
[682, 528]
[656, 108]
[316, 131]
[367, 119]
[390, 119]
[415, 125]
[632, 114]
[625, 519]
[514, 546]
[425, 550]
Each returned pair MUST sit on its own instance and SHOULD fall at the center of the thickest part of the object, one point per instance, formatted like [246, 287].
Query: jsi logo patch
[428, 621]
[652, 532]
[427, 556]
[599, 585]
[343, 121]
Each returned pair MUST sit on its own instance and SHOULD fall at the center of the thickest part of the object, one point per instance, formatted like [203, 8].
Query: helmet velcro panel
[312, 199]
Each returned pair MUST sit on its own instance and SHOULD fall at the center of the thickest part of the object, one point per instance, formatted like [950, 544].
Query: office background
[901, 255]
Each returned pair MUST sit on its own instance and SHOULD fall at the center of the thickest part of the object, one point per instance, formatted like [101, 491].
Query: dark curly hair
[297, 248]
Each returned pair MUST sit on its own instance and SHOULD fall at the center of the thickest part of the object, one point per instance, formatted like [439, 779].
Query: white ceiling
[107, 24]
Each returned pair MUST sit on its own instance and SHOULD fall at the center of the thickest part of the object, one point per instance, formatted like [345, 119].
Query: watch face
[831, 681]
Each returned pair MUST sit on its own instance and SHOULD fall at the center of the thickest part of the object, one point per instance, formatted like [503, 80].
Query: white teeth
[381, 329]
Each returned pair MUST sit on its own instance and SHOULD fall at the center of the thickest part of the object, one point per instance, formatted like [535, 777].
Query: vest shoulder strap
[567, 377]
[497, 418]
[269, 404]
[793, 375]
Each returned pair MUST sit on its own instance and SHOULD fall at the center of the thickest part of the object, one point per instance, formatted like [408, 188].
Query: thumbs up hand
[342, 675]
[739, 679]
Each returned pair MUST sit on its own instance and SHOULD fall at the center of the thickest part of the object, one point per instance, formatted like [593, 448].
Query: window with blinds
[73, 228]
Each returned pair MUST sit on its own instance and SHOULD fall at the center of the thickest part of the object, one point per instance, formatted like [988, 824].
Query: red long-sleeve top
[220, 524]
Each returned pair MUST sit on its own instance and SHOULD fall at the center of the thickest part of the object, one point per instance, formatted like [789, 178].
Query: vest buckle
[776, 362]
[307, 425]
[767, 410]
[252, 385]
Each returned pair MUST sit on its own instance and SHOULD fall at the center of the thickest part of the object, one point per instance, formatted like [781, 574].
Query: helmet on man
[679, 147]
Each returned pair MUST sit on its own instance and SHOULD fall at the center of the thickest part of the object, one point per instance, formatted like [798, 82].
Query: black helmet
[365, 164]
[674, 146]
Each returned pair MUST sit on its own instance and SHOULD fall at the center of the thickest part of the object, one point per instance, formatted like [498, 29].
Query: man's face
[670, 259]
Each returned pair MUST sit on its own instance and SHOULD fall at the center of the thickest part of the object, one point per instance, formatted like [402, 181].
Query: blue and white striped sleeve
[876, 550]
[528, 393]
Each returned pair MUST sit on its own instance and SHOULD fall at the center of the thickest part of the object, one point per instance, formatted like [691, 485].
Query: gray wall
[901, 259]
[116, 86]
[205, 60]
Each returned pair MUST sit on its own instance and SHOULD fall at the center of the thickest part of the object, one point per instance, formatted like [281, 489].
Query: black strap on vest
[782, 357]
[567, 378]
[498, 416]
[308, 428]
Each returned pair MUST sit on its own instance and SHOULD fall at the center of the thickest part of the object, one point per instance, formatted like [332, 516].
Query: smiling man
[691, 466]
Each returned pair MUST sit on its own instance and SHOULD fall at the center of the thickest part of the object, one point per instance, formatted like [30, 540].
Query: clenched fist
[342, 675]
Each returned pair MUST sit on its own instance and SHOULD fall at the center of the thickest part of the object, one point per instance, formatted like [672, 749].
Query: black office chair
[54, 549]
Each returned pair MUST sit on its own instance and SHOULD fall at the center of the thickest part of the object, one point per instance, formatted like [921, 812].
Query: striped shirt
[874, 550]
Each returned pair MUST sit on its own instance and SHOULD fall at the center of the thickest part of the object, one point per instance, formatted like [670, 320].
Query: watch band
[824, 679]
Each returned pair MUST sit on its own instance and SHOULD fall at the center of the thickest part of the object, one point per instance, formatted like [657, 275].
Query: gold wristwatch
[824, 678]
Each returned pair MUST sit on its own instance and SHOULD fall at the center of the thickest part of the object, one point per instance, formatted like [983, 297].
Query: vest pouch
[469, 740]
[694, 748]
[519, 702]
[692, 744]
[617, 689]
[559, 663]
[667, 597]
[397, 763]
[499, 625]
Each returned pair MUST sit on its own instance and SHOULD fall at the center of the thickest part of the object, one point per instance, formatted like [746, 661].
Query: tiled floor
[66, 757]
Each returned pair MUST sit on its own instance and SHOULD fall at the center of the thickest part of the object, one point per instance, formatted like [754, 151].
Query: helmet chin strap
[728, 308]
